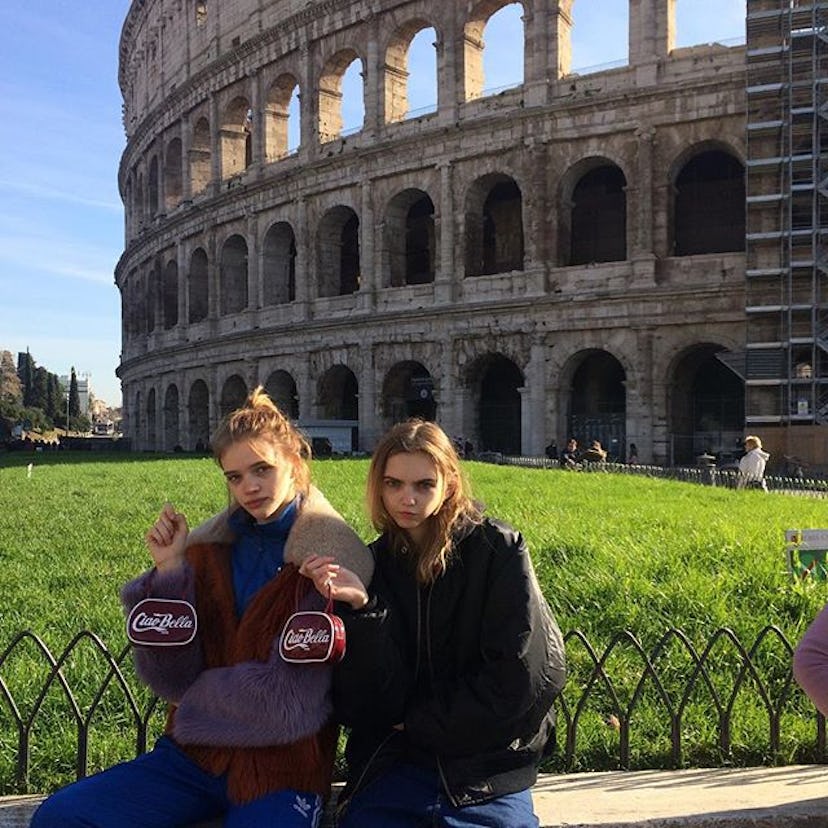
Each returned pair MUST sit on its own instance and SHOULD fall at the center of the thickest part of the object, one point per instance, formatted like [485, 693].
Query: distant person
[752, 465]
[570, 459]
[595, 453]
[249, 737]
[632, 457]
[551, 451]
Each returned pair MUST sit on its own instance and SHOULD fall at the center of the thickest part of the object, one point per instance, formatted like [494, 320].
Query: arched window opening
[153, 282]
[169, 299]
[408, 391]
[408, 94]
[493, 48]
[138, 204]
[338, 252]
[283, 94]
[173, 179]
[200, 157]
[410, 238]
[281, 388]
[494, 227]
[279, 265]
[710, 205]
[496, 383]
[701, 21]
[198, 286]
[598, 403]
[592, 50]
[172, 438]
[199, 416]
[599, 217]
[707, 406]
[341, 96]
[236, 138]
[233, 395]
[153, 186]
[233, 276]
[338, 394]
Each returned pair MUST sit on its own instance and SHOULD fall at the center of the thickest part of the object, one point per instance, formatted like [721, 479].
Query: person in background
[570, 458]
[632, 457]
[752, 465]
[595, 453]
[248, 736]
[454, 658]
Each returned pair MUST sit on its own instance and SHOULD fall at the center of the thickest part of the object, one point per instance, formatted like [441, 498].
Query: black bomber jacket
[469, 665]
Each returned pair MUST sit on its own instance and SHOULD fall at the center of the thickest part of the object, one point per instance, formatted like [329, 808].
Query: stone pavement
[794, 796]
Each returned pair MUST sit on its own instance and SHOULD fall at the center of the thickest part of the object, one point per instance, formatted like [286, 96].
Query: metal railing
[724, 703]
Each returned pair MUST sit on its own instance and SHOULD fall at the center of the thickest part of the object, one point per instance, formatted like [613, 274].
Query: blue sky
[61, 217]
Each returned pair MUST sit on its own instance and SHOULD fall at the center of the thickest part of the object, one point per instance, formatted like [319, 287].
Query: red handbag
[313, 637]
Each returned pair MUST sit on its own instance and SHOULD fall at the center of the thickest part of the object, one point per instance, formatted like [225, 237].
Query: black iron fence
[674, 704]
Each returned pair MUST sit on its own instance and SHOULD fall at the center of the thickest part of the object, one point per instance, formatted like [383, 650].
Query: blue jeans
[166, 789]
[410, 797]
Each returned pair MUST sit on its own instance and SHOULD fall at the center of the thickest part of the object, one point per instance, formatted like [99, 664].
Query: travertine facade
[566, 256]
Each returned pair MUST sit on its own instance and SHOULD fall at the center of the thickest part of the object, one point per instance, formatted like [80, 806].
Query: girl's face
[259, 477]
[412, 491]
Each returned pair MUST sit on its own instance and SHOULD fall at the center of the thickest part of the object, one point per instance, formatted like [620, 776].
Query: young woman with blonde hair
[454, 658]
[249, 736]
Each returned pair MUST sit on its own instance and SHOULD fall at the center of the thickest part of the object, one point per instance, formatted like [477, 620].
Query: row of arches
[708, 217]
[703, 403]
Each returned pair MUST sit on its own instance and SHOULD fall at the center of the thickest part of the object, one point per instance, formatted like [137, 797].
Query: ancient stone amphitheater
[562, 257]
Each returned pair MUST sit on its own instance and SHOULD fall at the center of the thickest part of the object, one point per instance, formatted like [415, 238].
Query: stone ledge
[793, 796]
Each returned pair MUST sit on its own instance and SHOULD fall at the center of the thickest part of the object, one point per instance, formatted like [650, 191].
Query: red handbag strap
[302, 588]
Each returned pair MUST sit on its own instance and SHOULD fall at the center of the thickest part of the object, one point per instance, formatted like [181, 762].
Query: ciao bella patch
[162, 622]
[313, 637]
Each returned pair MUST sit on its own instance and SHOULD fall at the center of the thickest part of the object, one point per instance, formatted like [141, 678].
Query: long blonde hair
[458, 508]
[260, 419]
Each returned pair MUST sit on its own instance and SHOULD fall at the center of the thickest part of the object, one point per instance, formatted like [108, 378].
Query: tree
[40, 389]
[25, 371]
[11, 389]
[55, 396]
[74, 396]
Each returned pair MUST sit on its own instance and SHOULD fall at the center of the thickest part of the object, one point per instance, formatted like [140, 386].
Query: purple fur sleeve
[255, 704]
[167, 671]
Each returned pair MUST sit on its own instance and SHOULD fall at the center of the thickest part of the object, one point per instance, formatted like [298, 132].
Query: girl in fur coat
[249, 736]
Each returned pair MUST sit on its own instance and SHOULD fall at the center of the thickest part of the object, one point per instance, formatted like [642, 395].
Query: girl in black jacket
[453, 657]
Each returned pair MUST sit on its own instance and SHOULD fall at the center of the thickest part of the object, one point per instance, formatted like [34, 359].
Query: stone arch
[410, 238]
[233, 394]
[706, 404]
[593, 213]
[173, 174]
[494, 382]
[279, 264]
[233, 275]
[330, 93]
[138, 202]
[408, 391]
[396, 74]
[172, 431]
[200, 157]
[338, 252]
[473, 44]
[281, 388]
[236, 137]
[277, 116]
[151, 434]
[137, 425]
[169, 295]
[338, 394]
[708, 209]
[153, 290]
[596, 404]
[198, 289]
[494, 226]
[198, 410]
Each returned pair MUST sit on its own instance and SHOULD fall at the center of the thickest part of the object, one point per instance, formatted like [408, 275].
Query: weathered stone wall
[194, 176]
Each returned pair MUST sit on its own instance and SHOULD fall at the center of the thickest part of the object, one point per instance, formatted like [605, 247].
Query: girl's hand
[330, 578]
[167, 538]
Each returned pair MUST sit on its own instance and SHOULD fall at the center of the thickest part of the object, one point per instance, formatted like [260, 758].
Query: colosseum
[632, 255]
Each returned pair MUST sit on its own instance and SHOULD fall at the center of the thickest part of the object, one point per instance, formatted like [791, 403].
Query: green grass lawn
[613, 554]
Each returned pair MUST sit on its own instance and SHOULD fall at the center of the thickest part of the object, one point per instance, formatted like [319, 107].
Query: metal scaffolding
[785, 363]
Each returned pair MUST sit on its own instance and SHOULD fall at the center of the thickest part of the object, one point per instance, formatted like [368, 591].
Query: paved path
[794, 796]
